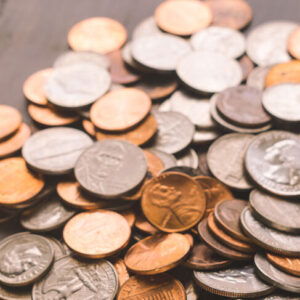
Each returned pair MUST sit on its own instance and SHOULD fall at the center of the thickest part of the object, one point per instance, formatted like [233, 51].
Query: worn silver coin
[57, 246]
[204, 136]
[167, 159]
[187, 158]
[145, 28]
[257, 77]
[13, 293]
[55, 150]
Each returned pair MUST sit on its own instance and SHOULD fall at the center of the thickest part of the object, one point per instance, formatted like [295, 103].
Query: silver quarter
[187, 158]
[168, 159]
[257, 77]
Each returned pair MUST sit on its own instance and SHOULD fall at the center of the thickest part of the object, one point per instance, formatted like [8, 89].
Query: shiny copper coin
[102, 35]
[294, 43]
[183, 17]
[143, 225]
[155, 165]
[157, 253]
[89, 127]
[120, 109]
[97, 234]
[287, 264]
[10, 120]
[33, 87]
[190, 239]
[235, 14]
[288, 72]
[17, 183]
[122, 272]
[129, 215]
[246, 65]
[159, 287]
[173, 202]
[49, 116]
[15, 142]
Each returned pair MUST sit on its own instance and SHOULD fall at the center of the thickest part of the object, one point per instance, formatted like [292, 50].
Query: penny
[145, 28]
[121, 270]
[232, 149]
[275, 212]
[268, 238]
[49, 116]
[257, 77]
[12, 293]
[192, 172]
[159, 52]
[219, 39]
[271, 160]
[274, 276]
[148, 256]
[267, 43]
[236, 281]
[24, 259]
[294, 43]
[10, 120]
[167, 159]
[89, 127]
[129, 215]
[286, 264]
[143, 225]
[173, 202]
[76, 86]
[208, 72]
[246, 65]
[102, 35]
[72, 278]
[17, 183]
[33, 87]
[97, 234]
[155, 165]
[103, 168]
[188, 158]
[161, 286]
[183, 17]
[55, 150]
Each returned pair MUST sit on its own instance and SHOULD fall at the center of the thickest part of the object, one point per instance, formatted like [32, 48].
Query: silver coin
[282, 101]
[274, 276]
[24, 258]
[230, 148]
[73, 279]
[280, 295]
[159, 52]
[57, 246]
[267, 43]
[209, 72]
[268, 238]
[78, 85]
[204, 136]
[55, 150]
[175, 132]
[239, 281]
[111, 168]
[187, 158]
[275, 212]
[193, 172]
[272, 160]
[13, 293]
[257, 77]
[145, 28]
[219, 39]
[168, 159]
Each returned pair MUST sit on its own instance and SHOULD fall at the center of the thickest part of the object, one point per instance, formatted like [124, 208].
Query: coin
[203, 167]
[280, 295]
[103, 168]
[230, 148]
[246, 65]
[192, 172]
[145, 28]
[168, 160]
[236, 281]
[205, 136]
[102, 35]
[155, 165]
[271, 161]
[173, 202]
[268, 238]
[219, 39]
[294, 43]
[257, 77]
[275, 212]
[13, 293]
[267, 43]
[89, 127]
[187, 158]
[148, 257]
[83, 279]
[143, 225]
[208, 72]
[24, 259]
[55, 150]
[10, 120]
[58, 248]
[77, 85]
[286, 264]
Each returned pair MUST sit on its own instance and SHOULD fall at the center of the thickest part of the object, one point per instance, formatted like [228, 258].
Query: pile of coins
[164, 168]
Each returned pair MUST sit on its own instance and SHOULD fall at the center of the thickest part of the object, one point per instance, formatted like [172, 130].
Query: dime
[187, 158]
[173, 202]
[24, 259]
[155, 165]
[287, 264]
[145, 28]
[13, 293]
[168, 160]
[148, 257]
[10, 120]
[246, 65]
[257, 77]
[272, 162]
[208, 72]
[192, 172]
[143, 225]
[55, 150]
[223, 40]
[294, 43]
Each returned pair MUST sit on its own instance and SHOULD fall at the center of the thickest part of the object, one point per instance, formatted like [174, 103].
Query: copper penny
[288, 72]
[247, 66]
[294, 43]
[129, 215]
[120, 109]
[17, 183]
[157, 253]
[173, 202]
[49, 116]
[287, 264]
[97, 234]
[33, 87]
[10, 120]
[15, 142]
[122, 272]
[143, 225]
[138, 135]
[183, 17]
[158, 287]
[155, 165]
[89, 127]
[235, 14]
[102, 35]
[190, 239]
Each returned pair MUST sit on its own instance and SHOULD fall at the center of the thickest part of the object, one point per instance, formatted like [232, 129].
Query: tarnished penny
[294, 43]
[173, 202]
[10, 120]
[183, 17]
[97, 234]
[149, 256]
[246, 65]
[155, 165]
[89, 127]
[101, 35]
[287, 264]
[143, 225]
